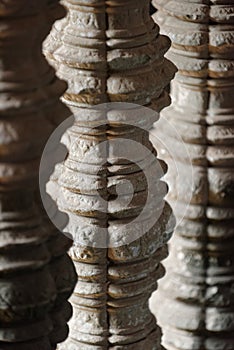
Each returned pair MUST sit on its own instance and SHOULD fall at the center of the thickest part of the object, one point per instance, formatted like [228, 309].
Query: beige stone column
[111, 52]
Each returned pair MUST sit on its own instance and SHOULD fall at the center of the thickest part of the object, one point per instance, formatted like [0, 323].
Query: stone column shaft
[111, 52]
[195, 306]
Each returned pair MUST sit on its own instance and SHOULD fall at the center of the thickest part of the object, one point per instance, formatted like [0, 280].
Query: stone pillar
[196, 302]
[36, 275]
[111, 51]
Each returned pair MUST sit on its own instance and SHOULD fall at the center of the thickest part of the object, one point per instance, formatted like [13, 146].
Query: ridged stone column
[196, 302]
[36, 275]
[111, 51]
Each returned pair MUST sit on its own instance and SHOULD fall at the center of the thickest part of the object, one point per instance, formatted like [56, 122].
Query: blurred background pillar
[36, 275]
[195, 305]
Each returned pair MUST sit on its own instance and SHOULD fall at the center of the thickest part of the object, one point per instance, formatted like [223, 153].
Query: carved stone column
[196, 302]
[111, 51]
[36, 274]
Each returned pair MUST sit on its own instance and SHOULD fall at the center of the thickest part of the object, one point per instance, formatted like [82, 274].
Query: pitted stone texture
[33, 262]
[111, 51]
[199, 48]
[199, 285]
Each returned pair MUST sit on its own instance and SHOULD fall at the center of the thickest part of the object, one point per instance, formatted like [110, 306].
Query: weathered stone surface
[111, 51]
[195, 304]
[33, 260]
